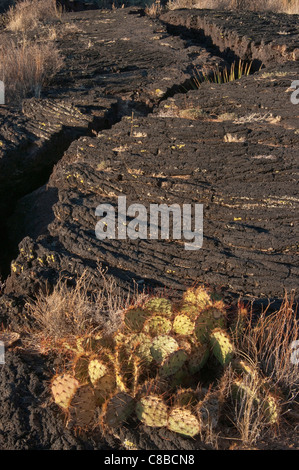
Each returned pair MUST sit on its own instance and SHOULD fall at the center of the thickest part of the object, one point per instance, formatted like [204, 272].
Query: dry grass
[26, 67]
[63, 312]
[283, 6]
[264, 344]
[68, 313]
[154, 10]
[269, 342]
[28, 14]
[248, 414]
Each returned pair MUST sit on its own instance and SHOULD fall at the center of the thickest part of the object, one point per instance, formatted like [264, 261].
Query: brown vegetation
[26, 67]
[283, 6]
[28, 14]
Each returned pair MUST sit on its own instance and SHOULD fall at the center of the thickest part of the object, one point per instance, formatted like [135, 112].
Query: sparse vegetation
[26, 67]
[28, 14]
[235, 72]
[149, 366]
[154, 10]
[282, 6]
[65, 313]
[31, 59]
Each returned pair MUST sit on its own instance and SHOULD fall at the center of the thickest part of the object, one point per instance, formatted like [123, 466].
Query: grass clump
[26, 15]
[26, 67]
[226, 75]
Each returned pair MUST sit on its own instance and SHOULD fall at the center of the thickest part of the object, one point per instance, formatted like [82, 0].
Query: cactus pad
[198, 296]
[152, 411]
[118, 409]
[271, 409]
[246, 368]
[162, 347]
[140, 345]
[173, 363]
[198, 358]
[96, 369]
[222, 346]
[81, 369]
[134, 319]
[105, 387]
[208, 319]
[208, 410]
[82, 407]
[242, 390]
[190, 310]
[182, 325]
[185, 397]
[63, 389]
[181, 378]
[158, 325]
[182, 421]
[159, 306]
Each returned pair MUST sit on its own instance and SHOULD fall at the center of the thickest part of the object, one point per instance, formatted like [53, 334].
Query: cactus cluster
[149, 368]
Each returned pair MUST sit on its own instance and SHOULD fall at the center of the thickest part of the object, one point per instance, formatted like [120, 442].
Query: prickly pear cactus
[182, 325]
[245, 368]
[222, 346]
[162, 347]
[192, 311]
[96, 370]
[152, 411]
[173, 363]
[82, 407]
[64, 388]
[159, 306]
[185, 397]
[242, 389]
[156, 359]
[183, 421]
[139, 345]
[118, 409]
[134, 319]
[208, 409]
[158, 325]
[271, 409]
[81, 368]
[104, 387]
[198, 358]
[207, 320]
[198, 296]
